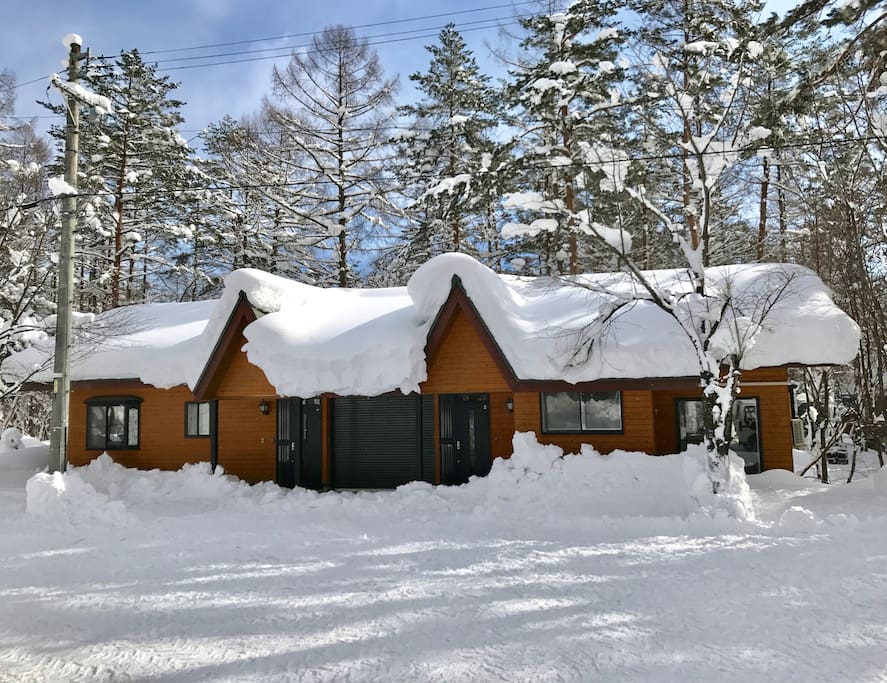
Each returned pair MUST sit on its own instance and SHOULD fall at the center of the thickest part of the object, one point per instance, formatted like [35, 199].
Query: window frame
[759, 429]
[129, 404]
[209, 427]
[580, 429]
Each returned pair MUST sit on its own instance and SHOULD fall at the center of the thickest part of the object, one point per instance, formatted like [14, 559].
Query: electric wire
[584, 165]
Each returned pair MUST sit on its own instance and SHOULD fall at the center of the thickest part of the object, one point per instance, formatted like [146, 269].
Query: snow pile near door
[67, 499]
[620, 484]
[537, 482]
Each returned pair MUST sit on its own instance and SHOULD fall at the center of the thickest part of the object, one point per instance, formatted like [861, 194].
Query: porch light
[264, 407]
[509, 404]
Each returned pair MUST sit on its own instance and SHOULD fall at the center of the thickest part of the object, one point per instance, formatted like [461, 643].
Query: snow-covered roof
[369, 341]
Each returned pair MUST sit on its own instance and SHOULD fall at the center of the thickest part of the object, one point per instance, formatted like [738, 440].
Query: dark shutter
[377, 441]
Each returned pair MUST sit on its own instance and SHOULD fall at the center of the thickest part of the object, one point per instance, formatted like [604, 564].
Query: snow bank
[537, 482]
[66, 499]
[134, 487]
[621, 484]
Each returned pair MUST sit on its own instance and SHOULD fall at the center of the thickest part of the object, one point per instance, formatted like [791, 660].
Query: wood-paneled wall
[637, 424]
[247, 439]
[769, 386]
[462, 364]
[240, 378]
[162, 442]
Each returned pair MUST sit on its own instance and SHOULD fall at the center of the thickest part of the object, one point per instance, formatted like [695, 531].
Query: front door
[299, 449]
[465, 437]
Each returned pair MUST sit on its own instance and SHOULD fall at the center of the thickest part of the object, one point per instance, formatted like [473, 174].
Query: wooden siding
[501, 425]
[238, 378]
[637, 424]
[775, 413]
[247, 439]
[461, 363]
[162, 442]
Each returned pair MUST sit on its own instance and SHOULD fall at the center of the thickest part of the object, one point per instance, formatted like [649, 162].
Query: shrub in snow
[11, 439]
[68, 499]
[21, 453]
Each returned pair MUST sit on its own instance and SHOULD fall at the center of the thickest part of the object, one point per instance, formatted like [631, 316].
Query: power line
[360, 26]
[492, 22]
[583, 165]
[286, 54]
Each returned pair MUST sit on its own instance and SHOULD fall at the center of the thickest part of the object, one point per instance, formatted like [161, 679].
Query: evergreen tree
[563, 91]
[444, 155]
[134, 169]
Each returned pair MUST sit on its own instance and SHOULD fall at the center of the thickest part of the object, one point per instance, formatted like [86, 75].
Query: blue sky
[32, 31]
[32, 34]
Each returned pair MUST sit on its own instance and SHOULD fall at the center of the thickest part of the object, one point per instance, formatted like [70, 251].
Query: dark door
[311, 473]
[299, 444]
[465, 437]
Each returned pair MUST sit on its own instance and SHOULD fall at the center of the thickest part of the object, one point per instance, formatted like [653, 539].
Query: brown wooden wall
[247, 439]
[775, 412]
[162, 442]
[462, 364]
[637, 424]
[239, 378]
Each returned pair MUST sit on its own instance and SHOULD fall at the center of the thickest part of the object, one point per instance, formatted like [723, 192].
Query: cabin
[372, 388]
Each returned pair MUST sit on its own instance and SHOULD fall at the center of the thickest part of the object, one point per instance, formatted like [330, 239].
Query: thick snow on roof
[312, 340]
[150, 342]
[309, 340]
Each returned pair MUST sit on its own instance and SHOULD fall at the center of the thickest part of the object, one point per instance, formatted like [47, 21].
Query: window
[112, 422]
[744, 436]
[573, 411]
[197, 419]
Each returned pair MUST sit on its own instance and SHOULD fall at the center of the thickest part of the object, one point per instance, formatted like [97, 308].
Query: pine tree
[444, 154]
[134, 169]
[563, 91]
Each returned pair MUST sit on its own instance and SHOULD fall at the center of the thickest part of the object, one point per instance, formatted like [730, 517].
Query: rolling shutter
[377, 441]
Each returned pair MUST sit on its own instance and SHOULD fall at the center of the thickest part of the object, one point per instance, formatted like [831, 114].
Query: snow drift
[536, 482]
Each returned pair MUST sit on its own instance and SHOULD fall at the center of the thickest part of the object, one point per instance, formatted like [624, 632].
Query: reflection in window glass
[96, 427]
[582, 412]
[116, 426]
[562, 411]
[744, 439]
[602, 410]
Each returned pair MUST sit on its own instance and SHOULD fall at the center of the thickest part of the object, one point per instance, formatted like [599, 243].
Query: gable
[227, 370]
[459, 360]
[238, 378]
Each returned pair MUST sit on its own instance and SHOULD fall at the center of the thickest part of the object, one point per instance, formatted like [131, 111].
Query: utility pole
[61, 382]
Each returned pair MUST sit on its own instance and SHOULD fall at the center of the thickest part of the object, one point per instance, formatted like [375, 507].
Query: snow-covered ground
[576, 569]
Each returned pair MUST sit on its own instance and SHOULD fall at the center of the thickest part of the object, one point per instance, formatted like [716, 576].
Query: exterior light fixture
[264, 407]
[509, 404]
